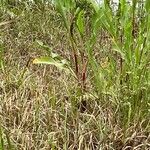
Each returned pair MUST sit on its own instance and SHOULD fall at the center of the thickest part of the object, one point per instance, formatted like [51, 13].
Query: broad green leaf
[48, 60]
[80, 22]
[60, 64]
[147, 6]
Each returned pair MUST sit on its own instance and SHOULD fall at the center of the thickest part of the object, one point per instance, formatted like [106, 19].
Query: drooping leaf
[49, 60]
[61, 64]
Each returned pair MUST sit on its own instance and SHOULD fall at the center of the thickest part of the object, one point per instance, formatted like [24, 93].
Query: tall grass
[127, 74]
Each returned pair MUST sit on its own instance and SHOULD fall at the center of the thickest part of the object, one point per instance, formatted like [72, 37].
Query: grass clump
[95, 92]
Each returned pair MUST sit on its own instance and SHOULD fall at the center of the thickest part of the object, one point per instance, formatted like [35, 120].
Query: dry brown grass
[39, 107]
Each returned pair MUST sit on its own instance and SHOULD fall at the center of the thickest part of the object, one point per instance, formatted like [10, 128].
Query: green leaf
[49, 60]
[95, 5]
[63, 12]
[60, 64]
[80, 22]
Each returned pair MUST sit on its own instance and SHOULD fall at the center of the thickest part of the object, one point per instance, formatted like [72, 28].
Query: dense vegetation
[74, 74]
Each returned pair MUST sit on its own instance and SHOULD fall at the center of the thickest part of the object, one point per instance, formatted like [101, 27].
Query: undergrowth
[74, 74]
